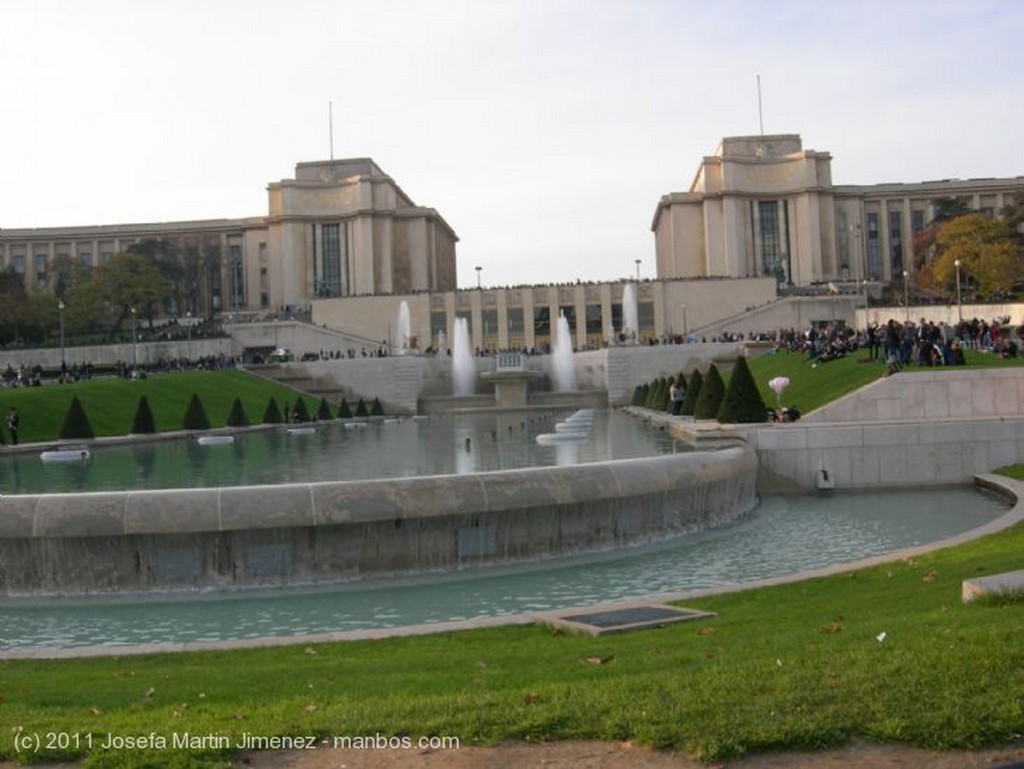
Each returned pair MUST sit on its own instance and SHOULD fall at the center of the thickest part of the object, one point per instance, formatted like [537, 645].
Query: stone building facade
[525, 317]
[764, 206]
[339, 228]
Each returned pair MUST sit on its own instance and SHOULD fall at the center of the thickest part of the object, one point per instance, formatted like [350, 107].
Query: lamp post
[683, 308]
[906, 293]
[637, 269]
[188, 347]
[959, 304]
[60, 309]
[478, 269]
[135, 337]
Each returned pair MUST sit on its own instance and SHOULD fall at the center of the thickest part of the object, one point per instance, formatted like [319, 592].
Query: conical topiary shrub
[692, 393]
[143, 423]
[195, 415]
[361, 409]
[711, 394]
[272, 413]
[742, 402]
[344, 410]
[376, 408]
[323, 411]
[665, 404]
[76, 423]
[653, 395]
[638, 396]
[301, 412]
[238, 417]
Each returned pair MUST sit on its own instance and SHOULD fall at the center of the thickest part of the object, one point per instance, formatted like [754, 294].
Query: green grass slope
[111, 403]
[812, 386]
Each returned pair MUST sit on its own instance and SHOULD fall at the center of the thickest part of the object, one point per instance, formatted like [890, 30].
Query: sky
[543, 131]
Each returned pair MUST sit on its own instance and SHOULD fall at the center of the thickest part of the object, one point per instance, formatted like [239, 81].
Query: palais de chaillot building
[761, 212]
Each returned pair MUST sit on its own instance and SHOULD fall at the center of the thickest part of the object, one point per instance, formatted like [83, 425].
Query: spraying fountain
[630, 333]
[562, 357]
[402, 330]
[463, 366]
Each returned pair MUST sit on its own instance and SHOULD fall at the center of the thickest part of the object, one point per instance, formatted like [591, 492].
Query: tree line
[990, 250]
[151, 277]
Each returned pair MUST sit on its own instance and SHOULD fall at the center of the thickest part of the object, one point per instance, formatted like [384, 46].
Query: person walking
[13, 419]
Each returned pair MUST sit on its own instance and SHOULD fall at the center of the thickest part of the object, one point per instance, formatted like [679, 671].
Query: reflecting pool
[782, 536]
[340, 451]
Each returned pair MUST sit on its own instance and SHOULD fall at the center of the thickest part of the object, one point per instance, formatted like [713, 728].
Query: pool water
[340, 451]
[784, 535]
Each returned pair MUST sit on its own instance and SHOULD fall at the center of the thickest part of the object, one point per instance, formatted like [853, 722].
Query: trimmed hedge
[143, 422]
[344, 410]
[692, 393]
[376, 408]
[272, 413]
[361, 409]
[711, 394]
[76, 423]
[195, 415]
[238, 417]
[300, 413]
[742, 402]
[323, 411]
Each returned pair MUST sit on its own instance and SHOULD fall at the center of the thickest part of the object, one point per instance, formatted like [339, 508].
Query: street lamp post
[683, 308]
[135, 337]
[637, 269]
[959, 304]
[60, 308]
[906, 293]
[188, 347]
[478, 269]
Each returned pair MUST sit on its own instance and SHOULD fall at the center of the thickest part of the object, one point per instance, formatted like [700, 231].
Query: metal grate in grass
[620, 618]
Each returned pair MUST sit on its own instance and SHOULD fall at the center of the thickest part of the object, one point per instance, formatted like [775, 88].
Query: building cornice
[95, 231]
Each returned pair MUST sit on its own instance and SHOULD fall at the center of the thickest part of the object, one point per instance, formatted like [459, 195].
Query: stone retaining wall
[305, 533]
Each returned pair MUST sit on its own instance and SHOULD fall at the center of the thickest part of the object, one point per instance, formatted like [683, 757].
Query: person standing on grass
[13, 418]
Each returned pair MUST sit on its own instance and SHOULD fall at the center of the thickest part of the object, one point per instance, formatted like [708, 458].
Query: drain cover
[619, 619]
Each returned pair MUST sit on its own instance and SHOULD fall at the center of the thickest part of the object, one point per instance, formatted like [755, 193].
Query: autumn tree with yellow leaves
[988, 251]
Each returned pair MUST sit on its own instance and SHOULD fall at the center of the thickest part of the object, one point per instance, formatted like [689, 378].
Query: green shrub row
[707, 396]
[76, 422]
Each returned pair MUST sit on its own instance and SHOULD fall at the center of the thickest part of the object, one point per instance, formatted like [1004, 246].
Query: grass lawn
[794, 666]
[812, 386]
[110, 403]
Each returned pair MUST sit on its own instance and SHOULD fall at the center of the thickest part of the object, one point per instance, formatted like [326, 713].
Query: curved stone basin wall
[304, 533]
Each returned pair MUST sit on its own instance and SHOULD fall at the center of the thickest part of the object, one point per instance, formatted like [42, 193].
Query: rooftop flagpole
[760, 116]
[330, 126]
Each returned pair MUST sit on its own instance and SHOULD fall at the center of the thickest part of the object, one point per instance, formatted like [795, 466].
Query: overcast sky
[543, 132]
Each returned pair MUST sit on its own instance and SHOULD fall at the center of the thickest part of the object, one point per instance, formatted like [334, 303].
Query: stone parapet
[308, 533]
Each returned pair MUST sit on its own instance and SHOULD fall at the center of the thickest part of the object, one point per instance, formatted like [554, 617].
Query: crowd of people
[901, 343]
[34, 375]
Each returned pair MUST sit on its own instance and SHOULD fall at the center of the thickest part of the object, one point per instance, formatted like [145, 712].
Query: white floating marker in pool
[65, 455]
[301, 430]
[215, 440]
[572, 427]
[545, 439]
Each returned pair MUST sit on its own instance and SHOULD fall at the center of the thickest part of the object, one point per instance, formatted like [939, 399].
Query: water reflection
[338, 452]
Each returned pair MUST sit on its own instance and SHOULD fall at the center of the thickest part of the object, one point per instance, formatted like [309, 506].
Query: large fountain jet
[562, 357]
[630, 322]
[463, 366]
